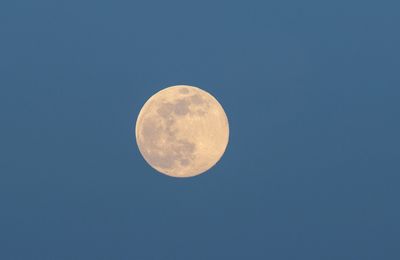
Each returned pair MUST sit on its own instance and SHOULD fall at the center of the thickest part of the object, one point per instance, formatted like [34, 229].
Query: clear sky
[311, 89]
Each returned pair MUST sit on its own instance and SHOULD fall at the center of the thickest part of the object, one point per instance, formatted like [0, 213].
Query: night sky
[312, 93]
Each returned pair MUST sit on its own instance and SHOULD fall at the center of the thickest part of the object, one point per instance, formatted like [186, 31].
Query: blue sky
[311, 89]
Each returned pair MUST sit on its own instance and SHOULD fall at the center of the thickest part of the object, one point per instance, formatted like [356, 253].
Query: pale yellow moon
[182, 131]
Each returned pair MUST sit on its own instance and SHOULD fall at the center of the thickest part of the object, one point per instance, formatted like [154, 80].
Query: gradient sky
[311, 89]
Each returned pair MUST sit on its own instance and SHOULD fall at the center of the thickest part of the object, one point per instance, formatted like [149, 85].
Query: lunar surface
[182, 131]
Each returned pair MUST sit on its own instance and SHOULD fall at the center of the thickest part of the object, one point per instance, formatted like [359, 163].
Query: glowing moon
[182, 131]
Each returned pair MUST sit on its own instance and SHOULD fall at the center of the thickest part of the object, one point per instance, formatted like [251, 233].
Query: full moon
[182, 131]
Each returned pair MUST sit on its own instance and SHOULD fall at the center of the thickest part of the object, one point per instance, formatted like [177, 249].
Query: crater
[165, 109]
[197, 99]
[181, 107]
[185, 148]
[184, 162]
[201, 112]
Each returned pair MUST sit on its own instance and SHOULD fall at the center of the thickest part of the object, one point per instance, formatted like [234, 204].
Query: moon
[182, 131]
